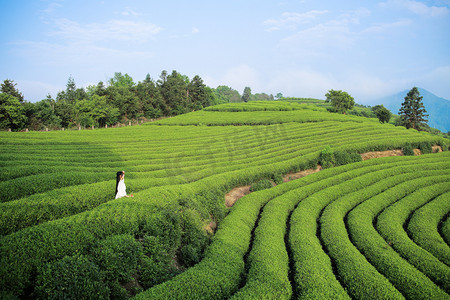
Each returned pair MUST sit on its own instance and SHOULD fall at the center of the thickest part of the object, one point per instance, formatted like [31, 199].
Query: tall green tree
[247, 94]
[340, 100]
[383, 114]
[12, 113]
[198, 95]
[9, 88]
[174, 90]
[45, 113]
[412, 112]
[150, 99]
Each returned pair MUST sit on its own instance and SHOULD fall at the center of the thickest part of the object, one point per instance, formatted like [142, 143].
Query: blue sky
[303, 48]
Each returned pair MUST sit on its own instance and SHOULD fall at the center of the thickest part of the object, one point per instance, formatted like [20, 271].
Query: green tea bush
[425, 147]
[72, 277]
[326, 158]
[261, 185]
[408, 150]
[118, 257]
[153, 272]
[404, 276]
[165, 224]
[277, 178]
[424, 224]
[390, 226]
[343, 157]
[194, 238]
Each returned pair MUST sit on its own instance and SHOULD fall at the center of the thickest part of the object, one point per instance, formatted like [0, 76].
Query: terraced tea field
[377, 228]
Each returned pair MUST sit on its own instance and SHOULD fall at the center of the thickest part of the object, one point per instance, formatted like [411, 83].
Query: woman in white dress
[121, 189]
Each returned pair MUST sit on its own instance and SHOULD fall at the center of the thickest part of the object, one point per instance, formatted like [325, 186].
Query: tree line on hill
[121, 100]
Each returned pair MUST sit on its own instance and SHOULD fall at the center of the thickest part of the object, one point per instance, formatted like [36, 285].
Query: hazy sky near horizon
[370, 49]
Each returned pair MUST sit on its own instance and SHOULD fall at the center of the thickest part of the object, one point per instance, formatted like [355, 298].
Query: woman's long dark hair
[119, 174]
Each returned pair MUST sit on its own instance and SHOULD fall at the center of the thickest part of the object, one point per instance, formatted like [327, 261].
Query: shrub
[277, 178]
[72, 277]
[194, 239]
[326, 158]
[261, 185]
[118, 257]
[425, 147]
[408, 150]
[166, 225]
[153, 272]
[343, 158]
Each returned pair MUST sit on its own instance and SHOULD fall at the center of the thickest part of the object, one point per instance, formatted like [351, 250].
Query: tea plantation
[375, 229]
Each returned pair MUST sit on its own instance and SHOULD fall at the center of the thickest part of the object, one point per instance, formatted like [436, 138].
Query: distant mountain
[438, 109]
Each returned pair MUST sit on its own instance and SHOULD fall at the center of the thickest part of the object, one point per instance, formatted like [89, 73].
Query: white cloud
[128, 11]
[320, 39]
[51, 8]
[383, 27]
[45, 55]
[113, 30]
[417, 7]
[291, 20]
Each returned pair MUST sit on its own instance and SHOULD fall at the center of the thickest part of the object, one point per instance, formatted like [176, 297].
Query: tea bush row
[390, 226]
[424, 224]
[314, 274]
[359, 277]
[407, 279]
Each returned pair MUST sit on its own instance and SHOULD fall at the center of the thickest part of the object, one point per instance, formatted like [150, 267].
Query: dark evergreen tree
[198, 95]
[247, 94]
[412, 112]
[174, 90]
[151, 102]
[9, 88]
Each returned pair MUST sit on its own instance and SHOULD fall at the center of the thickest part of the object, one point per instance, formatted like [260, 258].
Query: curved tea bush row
[314, 275]
[423, 227]
[446, 230]
[358, 276]
[24, 186]
[390, 226]
[410, 281]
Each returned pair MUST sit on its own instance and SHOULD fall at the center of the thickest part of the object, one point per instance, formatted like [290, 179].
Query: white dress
[121, 189]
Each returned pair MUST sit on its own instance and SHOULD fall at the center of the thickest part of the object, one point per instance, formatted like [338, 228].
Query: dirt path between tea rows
[240, 191]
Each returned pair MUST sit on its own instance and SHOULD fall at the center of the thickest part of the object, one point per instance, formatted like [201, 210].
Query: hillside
[63, 232]
[437, 108]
